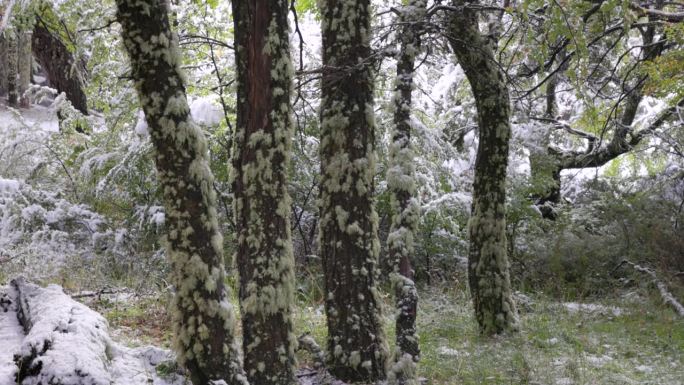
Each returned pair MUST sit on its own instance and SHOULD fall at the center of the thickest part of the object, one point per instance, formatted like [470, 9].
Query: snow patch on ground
[598, 361]
[447, 351]
[11, 336]
[574, 307]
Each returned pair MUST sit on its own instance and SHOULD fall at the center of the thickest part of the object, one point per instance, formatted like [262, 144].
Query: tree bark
[488, 266]
[24, 66]
[203, 316]
[12, 71]
[262, 203]
[63, 71]
[3, 64]
[357, 350]
[406, 210]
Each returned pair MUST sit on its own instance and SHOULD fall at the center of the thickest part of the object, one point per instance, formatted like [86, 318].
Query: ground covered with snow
[68, 342]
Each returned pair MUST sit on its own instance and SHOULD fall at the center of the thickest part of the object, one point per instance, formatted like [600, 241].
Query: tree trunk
[12, 69]
[357, 350]
[24, 66]
[63, 73]
[406, 210]
[262, 204]
[203, 317]
[488, 267]
[3, 65]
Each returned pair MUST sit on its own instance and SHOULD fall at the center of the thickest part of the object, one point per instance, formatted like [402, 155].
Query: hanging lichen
[357, 349]
[203, 316]
[262, 204]
[488, 267]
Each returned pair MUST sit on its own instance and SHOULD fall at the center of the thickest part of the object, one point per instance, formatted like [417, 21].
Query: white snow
[447, 351]
[598, 361]
[78, 339]
[141, 124]
[11, 336]
[574, 307]
[205, 112]
[9, 185]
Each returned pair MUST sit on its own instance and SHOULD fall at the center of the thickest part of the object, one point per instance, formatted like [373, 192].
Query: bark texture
[488, 266]
[64, 72]
[24, 66]
[357, 350]
[3, 65]
[12, 71]
[406, 210]
[262, 204]
[203, 316]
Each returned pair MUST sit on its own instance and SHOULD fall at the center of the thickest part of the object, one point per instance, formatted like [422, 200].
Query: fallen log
[66, 343]
[665, 294]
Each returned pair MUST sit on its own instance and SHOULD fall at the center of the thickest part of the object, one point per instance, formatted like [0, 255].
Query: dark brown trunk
[63, 71]
[262, 203]
[356, 345]
[12, 71]
[203, 316]
[24, 66]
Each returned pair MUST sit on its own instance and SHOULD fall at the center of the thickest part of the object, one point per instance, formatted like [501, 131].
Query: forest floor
[630, 339]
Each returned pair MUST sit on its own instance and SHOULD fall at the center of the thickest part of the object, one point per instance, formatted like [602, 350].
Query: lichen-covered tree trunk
[262, 204]
[406, 211]
[203, 316]
[3, 64]
[12, 71]
[63, 72]
[24, 66]
[488, 267]
[357, 350]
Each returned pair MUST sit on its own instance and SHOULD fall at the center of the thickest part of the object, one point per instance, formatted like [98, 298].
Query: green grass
[644, 344]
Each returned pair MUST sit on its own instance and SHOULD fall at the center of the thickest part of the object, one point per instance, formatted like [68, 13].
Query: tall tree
[488, 266]
[12, 70]
[24, 66]
[357, 350]
[406, 210]
[3, 65]
[203, 316]
[262, 204]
